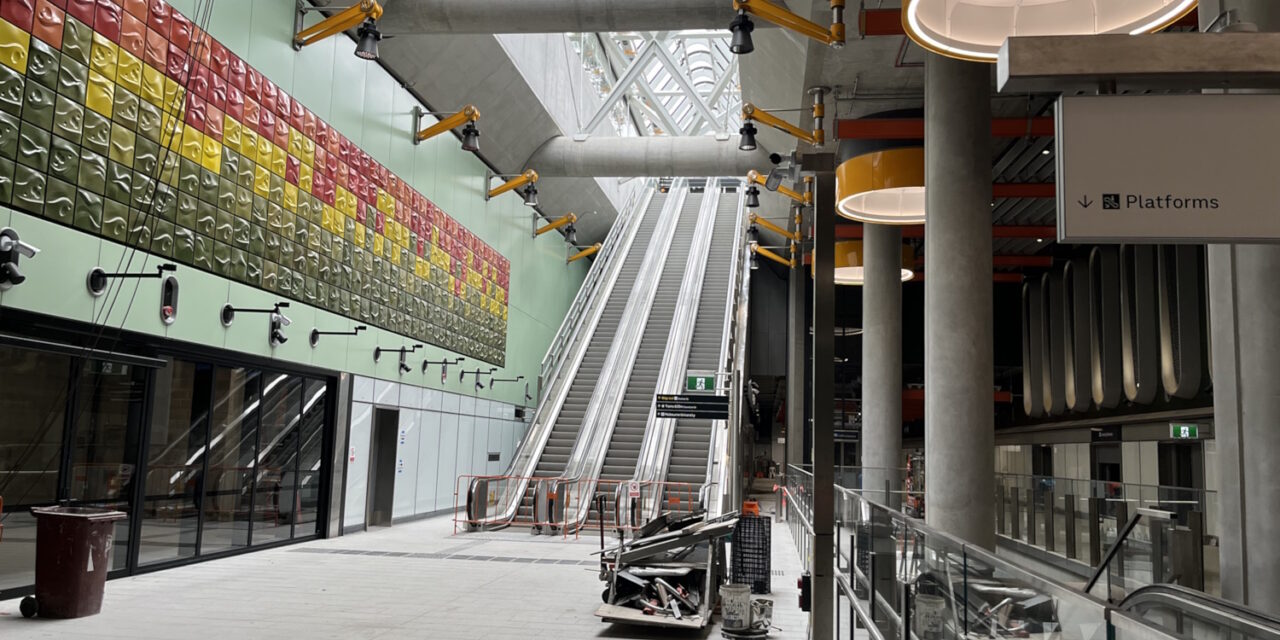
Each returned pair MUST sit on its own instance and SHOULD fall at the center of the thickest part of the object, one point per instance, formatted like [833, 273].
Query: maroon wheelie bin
[73, 556]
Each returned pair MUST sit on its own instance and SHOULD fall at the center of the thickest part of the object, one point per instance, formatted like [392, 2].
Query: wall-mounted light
[753, 197]
[276, 320]
[526, 180]
[757, 250]
[444, 367]
[12, 249]
[275, 330]
[316, 333]
[364, 13]
[817, 137]
[527, 397]
[465, 118]
[96, 281]
[571, 235]
[462, 375]
[741, 27]
[564, 220]
[378, 351]
[757, 220]
[584, 253]
[753, 194]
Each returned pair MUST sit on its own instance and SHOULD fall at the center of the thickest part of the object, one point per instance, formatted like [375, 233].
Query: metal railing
[1191, 614]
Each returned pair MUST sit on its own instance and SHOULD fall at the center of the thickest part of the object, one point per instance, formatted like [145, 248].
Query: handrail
[720, 449]
[525, 461]
[600, 417]
[588, 291]
[1205, 607]
[655, 449]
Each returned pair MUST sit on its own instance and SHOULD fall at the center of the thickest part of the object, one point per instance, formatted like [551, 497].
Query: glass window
[33, 402]
[175, 463]
[311, 459]
[104, 445]
[276, 501]
[228, 483]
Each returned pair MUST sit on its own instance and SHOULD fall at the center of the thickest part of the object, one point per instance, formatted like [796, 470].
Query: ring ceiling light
[882, 187]
[849, 271]
[976, 29]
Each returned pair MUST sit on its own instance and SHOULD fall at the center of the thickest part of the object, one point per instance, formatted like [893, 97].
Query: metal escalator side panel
[1229, 618]
[525, 460]
[599, 419]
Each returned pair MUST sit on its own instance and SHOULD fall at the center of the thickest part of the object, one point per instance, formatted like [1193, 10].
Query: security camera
[404, 368]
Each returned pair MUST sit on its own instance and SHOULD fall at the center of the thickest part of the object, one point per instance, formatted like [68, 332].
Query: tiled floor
[410, 581]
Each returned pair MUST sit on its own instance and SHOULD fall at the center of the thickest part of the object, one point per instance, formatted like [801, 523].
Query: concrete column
[797, 337]
[822, 614]
[1244, 319]
[881, 360]
[959, 433]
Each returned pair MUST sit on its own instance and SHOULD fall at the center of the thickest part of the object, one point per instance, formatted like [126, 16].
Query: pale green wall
[363, 102]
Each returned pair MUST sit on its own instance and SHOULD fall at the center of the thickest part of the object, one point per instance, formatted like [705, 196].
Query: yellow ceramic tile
[304, 178]
[262, 181]
[263, 154]
[295, 142]
[174, 95]
[378, 241]
[230, 132]
[171, 132]
[249, 144]
[212, 158]
[152, 85]
[278, 160]
[359, 235]
[340, 198]
[169, 170]
[395, 255]
[103, 55]
[100, 94]
[290, 197]
[14, 43]
[192, 144]
[308, 156]
[129, 71]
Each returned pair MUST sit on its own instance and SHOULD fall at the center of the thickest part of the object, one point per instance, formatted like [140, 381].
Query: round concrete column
[958, 349]
[882, 360]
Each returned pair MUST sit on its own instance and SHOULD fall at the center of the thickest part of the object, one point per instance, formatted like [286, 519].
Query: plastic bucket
[735, 606]
[931, 614]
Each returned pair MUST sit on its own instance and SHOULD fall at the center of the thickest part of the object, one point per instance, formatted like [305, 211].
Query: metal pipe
[659, 157]
[553, 16]
[589, 251]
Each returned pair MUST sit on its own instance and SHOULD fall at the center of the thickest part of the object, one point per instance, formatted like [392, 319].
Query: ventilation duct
[1105, 357]
[1140, 336]
[1032, 349]
[1182, 322]
[1052, 324]
[1075, 334]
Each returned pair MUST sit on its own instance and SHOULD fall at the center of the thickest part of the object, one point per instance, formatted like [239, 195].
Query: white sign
[633, 489]
[1168, 168]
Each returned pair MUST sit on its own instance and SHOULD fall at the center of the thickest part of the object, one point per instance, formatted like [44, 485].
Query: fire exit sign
[700, 382]
[1184, 431]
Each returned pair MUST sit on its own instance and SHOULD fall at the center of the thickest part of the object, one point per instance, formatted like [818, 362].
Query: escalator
[687, 462]
[1186, 613]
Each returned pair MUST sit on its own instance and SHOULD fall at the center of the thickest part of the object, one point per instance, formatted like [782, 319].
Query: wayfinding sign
[1168, 168]
[698, 407]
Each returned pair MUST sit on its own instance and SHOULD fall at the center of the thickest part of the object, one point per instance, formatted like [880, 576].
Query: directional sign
[1145, 169]
[697, 407]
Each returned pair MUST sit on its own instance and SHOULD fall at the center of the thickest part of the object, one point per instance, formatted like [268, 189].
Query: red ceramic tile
[266, 123]
[267, 93]
[178, 65]
[291, 166]
[251, 112]
[61, 4]
[203, 43]
[236, 71]
[49, 23]
[331, 162]
[344, 150]
[133, 35]
[235, 103]
[308, 124]
[213, 122]
[136, 8]
[321, 136]
[180, 31]
[339, 174]
[158, 17]
[196, 111]
[253, 85]
[422, 245]
[157, 50]
[297, 115]
[218, 91]
[20, 13]
[199, 81]
[107, 20]
[219, 58]
[82, 10]
[284, 106]
[320, 165]
[282, 133]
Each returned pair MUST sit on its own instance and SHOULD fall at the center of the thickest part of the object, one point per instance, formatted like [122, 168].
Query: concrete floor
[415, 580]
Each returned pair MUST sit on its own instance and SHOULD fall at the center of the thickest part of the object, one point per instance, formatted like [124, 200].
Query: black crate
[750, 561]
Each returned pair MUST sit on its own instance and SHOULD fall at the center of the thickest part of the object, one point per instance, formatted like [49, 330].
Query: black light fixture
[774, 179]
[753, 197]
[97, 279]
[462, 375]
[316, 333]
[753, 234]
[755, 260]
[741, 28]
[470, 137]
[378, 351]
[530, 192]
[367, 40]
[275, 332]
[748, 140]
[527, 397]
[571, 235]
[444, 367]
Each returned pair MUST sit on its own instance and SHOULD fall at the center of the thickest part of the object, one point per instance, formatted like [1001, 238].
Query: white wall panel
[428, 462]
[407, 435]
[357, 465]
[448, 467]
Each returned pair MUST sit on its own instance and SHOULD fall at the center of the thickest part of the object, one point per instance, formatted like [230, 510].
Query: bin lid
[85, 513]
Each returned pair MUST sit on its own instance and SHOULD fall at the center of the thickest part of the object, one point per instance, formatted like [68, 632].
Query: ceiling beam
[997, 277]
[854, 231]
[888, 22]
[913, 128]
[1023, 190]
[1013, 261]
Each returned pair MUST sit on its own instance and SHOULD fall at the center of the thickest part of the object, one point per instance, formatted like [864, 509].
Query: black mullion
[257, 444]
[66, 454]
[204, 464]
[297, 456]
[138, 501]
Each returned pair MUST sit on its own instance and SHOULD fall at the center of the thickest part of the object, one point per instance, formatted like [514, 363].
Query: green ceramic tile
[273, 242]
[301, 233]
[123, 144]
[243, 203]
[189, 177]
[12, 90]
[162, 239]
[187, 210]
[284, 280]
[39, 105]
[270, 273]
[88, 211]
[68, 119]
[149, 121]
[6, 180]
[141, 228]
[126, 108]
[144, 188]
[209, 183]
[115, 220]
[73, 79]
[223, 227]
[77, 38]
[184, 245]
[204, 252]
[260, 215]
[146, 155]
[10, 128]
[226, 195]
[253, 268]
[97, 132]
[257, 240]
[240, 233]
[286, 252]
[230, 165]
[239, 264]
[64, 159]
[60, 201]
[206, 218]
[246, 168]
[119, 182]
[276, 192]
[42, 63]
[93, 171]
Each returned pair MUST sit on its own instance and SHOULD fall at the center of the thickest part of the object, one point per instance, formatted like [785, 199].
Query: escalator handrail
[723, 444]
[1205, 606]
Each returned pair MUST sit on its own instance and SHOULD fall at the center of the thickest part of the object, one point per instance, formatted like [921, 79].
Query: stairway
[568, 423]
[688, 461]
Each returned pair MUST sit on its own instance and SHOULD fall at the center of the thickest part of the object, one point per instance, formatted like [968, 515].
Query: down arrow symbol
[1085, 202]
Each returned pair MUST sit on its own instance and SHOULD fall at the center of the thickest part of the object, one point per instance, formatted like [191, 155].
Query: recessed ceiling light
[1045, 152]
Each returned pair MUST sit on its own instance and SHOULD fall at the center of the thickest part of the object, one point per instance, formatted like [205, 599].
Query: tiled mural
[123, 119]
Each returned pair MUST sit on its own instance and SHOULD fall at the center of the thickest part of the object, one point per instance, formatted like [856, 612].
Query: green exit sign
[699, 383]
[1184, 431]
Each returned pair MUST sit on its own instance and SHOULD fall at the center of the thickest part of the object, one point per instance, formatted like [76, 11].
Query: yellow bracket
[765, 10]
[467, 114]
[759, 250]
[348, 18]
[589, 251]
[521, 180]
[816, 138]
[802, 198]
[794, 237]
[563, 220]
